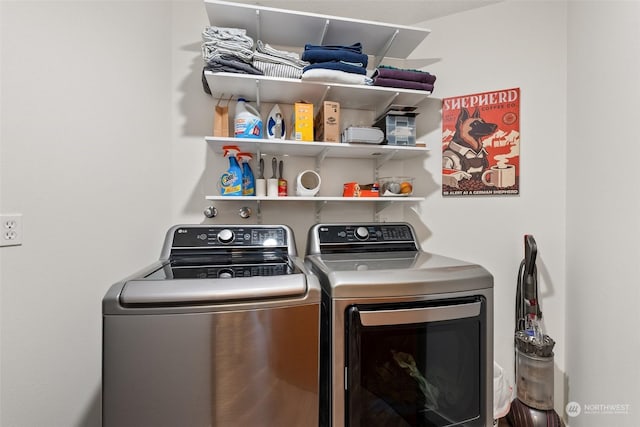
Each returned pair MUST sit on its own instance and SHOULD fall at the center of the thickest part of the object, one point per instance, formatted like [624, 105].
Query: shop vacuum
[533, 405]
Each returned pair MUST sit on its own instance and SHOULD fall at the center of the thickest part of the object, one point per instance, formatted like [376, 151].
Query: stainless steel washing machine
[406, 335]
[222, 331]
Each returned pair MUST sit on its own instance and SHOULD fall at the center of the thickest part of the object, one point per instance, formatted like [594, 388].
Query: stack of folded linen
[228, 50]
[334, 63]
[277, 63]
[389, 76]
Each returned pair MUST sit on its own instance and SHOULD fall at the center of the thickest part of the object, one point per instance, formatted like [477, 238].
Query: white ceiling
[401, 12]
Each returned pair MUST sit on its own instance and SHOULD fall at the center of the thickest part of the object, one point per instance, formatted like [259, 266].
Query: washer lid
[396, 274]
[188, 292]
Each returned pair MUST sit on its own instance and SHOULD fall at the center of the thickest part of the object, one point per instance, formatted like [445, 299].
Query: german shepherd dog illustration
[465, 151]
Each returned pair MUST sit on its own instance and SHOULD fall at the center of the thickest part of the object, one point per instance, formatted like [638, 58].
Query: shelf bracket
[320, 158]
[258, 29]
[324, 96]
[319, 205]
[388, 103]
[324, 31]
[384, 159]
[379, 208]
[258, 93]
[386, 48]
[382, 206]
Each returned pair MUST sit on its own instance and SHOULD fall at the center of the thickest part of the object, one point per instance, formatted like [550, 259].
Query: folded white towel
[280, 55]
[334, 76]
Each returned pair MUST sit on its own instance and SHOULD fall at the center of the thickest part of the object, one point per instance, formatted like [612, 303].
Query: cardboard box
[221, 121]
[353, 189]
[327, 122]
[399, 129]
[303, 122]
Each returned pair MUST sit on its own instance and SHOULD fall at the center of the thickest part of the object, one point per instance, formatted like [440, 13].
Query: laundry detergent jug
[247, 122]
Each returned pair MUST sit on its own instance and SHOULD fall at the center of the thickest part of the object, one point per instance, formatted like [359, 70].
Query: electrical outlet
[11, 230]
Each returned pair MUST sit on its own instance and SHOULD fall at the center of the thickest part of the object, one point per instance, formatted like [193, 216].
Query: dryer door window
[416, 364]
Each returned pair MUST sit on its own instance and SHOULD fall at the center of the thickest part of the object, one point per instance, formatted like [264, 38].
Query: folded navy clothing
[403, 84]
[356, 47]
[336, 65]
[322, 55]
[401, 74]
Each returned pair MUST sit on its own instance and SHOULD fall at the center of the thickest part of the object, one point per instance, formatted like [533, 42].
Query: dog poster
[481, 144]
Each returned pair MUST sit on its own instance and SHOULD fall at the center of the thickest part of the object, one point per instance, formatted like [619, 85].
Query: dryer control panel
[331, 238]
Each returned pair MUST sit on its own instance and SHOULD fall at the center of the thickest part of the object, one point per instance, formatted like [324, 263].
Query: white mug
[500, 176]
[308, 183]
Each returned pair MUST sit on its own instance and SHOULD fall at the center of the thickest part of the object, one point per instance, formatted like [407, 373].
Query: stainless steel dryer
[222, 331]
[406, 336]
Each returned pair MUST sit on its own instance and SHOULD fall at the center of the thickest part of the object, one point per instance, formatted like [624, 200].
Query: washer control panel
[231, 271]
[222, 236]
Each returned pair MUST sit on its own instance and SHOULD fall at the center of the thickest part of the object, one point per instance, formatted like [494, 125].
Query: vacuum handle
[530, 253]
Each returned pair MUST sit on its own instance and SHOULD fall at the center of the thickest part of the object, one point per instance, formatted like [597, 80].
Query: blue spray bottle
[231, 179]
[248, 180]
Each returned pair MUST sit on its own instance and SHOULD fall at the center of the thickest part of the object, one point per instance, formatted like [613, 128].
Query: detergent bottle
[248, 180]
[231, 179]
[247, 122]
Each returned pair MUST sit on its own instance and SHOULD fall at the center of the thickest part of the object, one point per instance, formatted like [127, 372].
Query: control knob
[225, 273]
[225, 236]
[362, 233]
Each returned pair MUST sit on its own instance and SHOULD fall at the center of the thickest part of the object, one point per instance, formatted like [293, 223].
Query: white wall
[101, 149]
[85, 148]
[510, 44]
[603, 211]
